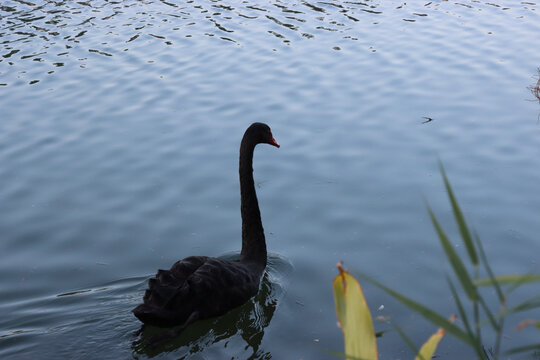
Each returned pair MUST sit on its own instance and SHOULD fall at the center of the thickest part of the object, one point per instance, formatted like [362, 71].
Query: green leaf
[454, 260]
[460, 219]
[525, 348]
[527, 305]
[427, 313]
[461, 309]
[502, 298]
[407, 339]
[490, 315]
[354, 317]
[509, 280]
[477, 344]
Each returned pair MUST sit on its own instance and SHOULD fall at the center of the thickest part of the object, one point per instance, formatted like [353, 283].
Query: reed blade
[455, 261]
[426, 312]
[460, 220]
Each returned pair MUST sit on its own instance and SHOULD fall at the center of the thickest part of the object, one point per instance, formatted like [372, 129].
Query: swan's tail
[149, 314]
[159, 317]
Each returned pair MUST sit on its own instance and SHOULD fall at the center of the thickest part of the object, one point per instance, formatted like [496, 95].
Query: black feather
[200, 287]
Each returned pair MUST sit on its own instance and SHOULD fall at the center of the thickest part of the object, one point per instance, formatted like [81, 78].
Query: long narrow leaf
[525, 348]
[407, 339]
[427, 313]
[490, 315]
[460, 219]
[461, 309]
[454, 260]
[354, 317]
[518, 283]
[476, 339]
[502, 298]
[509, 280]
[527, 305]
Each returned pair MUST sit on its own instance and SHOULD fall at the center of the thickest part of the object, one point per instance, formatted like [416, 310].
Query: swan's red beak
[273, 141]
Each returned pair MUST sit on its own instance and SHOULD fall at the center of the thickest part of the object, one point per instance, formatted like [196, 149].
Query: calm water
[119, 135]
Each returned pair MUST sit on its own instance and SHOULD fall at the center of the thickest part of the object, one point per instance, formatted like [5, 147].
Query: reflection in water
[248, 321]
[68, 324]
[55, 33]
[535, 90]
[76, 323]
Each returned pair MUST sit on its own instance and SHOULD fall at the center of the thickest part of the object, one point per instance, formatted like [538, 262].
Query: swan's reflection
[247, 321]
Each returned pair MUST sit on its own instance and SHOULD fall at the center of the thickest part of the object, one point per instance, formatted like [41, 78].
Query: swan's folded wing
[169, 283]
[184, 268]
[217, 287]
[197, 288]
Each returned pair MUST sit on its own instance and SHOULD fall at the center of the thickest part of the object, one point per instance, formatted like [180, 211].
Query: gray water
[119, 135]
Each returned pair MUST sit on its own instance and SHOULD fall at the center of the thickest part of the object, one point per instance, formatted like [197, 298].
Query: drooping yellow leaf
[428, 349]
[354, 317]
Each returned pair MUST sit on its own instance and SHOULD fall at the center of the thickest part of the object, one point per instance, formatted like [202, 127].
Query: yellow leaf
[354, 317]
[428, 349]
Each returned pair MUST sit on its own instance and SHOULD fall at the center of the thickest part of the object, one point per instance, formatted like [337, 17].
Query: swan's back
[197, 287]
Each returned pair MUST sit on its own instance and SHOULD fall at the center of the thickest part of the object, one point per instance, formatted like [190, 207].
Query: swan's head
[262, 134]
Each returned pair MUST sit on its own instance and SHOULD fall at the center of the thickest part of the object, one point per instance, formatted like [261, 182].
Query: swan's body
[200, 287]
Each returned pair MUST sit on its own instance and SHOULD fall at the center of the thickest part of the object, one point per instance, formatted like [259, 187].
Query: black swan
[200, 287]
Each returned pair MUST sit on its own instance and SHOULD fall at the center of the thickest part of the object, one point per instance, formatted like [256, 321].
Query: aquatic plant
[355, 322]
[353, 313]
[535, 89]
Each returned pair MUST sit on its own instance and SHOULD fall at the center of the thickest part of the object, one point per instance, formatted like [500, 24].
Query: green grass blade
[494, 281]
[407, 339]
[490, 315]
[477, 342]
[527, 305]
[522, 280]
[460, 219]
[514, 279]
[454, 260]
[461, 309]
[427, 313]
[520, 349]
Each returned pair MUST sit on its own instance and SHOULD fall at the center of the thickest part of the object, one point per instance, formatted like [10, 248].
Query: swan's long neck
[253, 242]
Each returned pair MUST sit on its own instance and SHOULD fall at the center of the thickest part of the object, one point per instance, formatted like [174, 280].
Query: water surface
[119, 136]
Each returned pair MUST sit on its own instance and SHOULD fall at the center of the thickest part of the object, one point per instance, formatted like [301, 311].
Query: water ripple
[56, 33]
[119, 139]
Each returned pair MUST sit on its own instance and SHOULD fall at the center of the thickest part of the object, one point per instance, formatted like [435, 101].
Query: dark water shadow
[247, 322]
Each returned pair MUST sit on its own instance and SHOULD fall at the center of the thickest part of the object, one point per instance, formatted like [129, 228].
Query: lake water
[119, 135]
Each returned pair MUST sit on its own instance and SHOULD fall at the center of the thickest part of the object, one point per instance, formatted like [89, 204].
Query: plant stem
[477, 313]
[500, 331]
